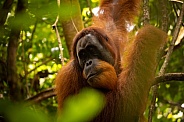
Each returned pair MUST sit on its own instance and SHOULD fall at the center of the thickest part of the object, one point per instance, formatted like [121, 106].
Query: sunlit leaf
[83, 107]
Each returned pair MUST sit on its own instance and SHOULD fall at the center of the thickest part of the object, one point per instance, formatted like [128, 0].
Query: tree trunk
[74, 24]
[13, 79]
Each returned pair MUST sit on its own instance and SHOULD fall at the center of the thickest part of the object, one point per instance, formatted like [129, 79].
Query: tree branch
[174, 104]
[44, 62]
[42, 96]
[12, 77]
[169, 77]
[166, 62]
[159, 79]
[146, 15]
[175, 35]
[4, 11]
[69, 29]
[89, 5]
[164, 13]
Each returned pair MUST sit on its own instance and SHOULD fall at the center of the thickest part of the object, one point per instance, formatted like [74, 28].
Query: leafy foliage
[38, 56]
[88, 100]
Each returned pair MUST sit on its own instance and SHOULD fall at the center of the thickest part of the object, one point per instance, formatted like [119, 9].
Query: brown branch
[175, 8]
[41, 96]
[164, 13]
[166, 62]
[90, 9]
[178, 105]
[44, 62]
[175, 35]
[177, 1]
[12, 78]
[59, 39]
[146, 15]
[69, 29]
[4, 11]
[169, 77]
[33, 31]
[50, 92]
[171, 103]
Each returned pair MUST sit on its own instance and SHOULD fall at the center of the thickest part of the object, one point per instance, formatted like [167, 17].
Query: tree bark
[4, 11]
[13, 79]
[72, 25]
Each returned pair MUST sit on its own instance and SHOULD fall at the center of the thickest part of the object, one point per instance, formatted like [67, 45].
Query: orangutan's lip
[94, 74]
[91, 76]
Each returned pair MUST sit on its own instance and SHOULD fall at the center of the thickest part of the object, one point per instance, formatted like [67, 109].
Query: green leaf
[83, 107]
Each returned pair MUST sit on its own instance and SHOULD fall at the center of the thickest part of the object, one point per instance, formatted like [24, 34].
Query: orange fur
[139, 65]
[135, 63]
[114, 15]
[68, 82]
[102, 80]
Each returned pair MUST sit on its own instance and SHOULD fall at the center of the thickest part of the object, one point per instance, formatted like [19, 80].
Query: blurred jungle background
[35, 41]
